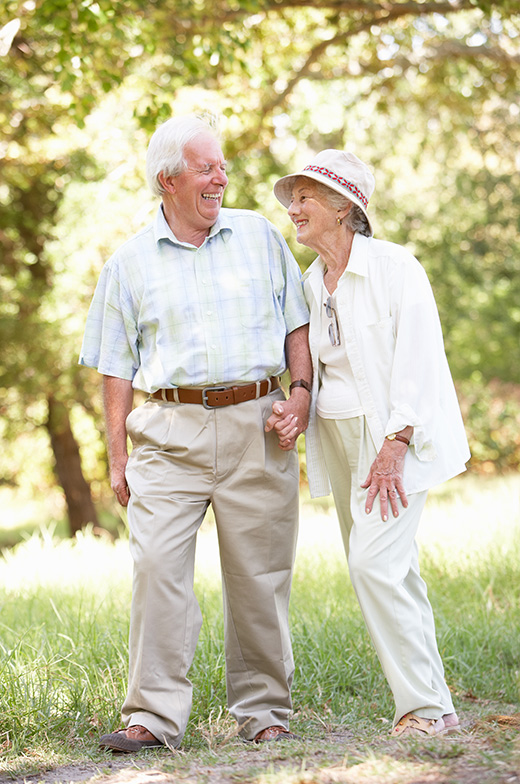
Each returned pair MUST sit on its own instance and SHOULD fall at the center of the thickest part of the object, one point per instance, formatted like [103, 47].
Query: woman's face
[310, 213]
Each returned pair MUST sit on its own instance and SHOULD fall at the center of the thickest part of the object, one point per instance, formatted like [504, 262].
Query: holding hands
[290, 418]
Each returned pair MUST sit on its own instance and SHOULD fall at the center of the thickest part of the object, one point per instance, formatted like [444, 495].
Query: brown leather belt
[214, 397]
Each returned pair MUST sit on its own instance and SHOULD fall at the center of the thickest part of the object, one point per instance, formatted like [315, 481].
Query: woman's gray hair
[355, 220]
[166, 148]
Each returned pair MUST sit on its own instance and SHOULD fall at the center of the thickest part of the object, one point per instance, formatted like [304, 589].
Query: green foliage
[429, 99]
[492, 415]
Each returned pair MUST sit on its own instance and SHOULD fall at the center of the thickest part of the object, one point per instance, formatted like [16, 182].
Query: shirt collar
[162, 230]
[358, 261]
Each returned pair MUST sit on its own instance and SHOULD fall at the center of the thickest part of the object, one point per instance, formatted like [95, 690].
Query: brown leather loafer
[274, 733]
[128, 740]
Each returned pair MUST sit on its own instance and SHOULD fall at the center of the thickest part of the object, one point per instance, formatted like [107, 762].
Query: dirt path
[487, 751]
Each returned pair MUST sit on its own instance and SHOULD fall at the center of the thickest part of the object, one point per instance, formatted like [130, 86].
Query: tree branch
[384, 8]
[383, 12]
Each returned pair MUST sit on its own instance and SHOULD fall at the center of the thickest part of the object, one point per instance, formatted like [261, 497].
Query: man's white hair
[166, 148]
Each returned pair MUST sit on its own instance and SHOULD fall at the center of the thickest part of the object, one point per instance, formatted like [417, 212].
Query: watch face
[391, 437]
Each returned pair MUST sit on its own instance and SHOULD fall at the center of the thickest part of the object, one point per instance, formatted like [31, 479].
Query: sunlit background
[429, 99]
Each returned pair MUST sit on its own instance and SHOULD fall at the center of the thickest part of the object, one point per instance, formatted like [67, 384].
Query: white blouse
[337, 397]
[393, 339]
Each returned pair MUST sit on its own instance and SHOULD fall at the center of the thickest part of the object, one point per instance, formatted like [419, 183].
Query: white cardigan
[392, 334]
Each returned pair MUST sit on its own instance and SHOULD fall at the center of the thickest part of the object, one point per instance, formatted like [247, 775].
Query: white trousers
[184, 458]
[383, 562]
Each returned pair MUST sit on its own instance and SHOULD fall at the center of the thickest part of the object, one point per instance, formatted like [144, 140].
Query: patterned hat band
[341, 181]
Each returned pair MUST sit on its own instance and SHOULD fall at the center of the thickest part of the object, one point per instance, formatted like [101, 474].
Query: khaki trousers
[383, 562]
[184, 458]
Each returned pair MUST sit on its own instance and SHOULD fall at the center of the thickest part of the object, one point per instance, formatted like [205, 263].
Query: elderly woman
[385, 420]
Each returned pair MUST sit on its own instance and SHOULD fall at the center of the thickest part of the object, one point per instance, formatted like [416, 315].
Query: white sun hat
[342, 171]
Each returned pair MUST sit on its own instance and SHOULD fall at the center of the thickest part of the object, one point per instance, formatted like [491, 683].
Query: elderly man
[203, 310]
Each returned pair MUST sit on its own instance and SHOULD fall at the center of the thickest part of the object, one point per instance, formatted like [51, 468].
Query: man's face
[200, 187]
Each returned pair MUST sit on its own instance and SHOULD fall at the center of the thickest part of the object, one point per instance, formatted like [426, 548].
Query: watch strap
[300, 383]
[398, 437]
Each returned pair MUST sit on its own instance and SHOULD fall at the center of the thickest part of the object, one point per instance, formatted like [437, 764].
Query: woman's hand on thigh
[386, 478]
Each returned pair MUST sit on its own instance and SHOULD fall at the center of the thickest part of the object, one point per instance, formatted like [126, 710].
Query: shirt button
[209, 312]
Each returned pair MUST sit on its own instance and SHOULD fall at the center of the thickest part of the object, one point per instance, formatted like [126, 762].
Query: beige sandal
[410, 724]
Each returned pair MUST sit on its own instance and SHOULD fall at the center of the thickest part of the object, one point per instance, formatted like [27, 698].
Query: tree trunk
[80, 506]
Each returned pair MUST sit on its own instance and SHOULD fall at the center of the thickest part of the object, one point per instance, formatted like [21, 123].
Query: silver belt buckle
[205, 395]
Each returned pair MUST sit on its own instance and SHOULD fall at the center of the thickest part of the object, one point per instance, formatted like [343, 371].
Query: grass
[63, 654]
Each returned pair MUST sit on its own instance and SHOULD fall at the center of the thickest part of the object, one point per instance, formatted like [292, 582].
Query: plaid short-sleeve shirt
[166, 313]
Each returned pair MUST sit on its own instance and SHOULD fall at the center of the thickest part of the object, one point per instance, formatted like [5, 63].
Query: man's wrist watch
[300, 383]
[398, 437]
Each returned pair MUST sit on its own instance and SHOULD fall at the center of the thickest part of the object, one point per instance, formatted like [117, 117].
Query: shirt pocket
[378, 340]
[381, 325]
[257, 303]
